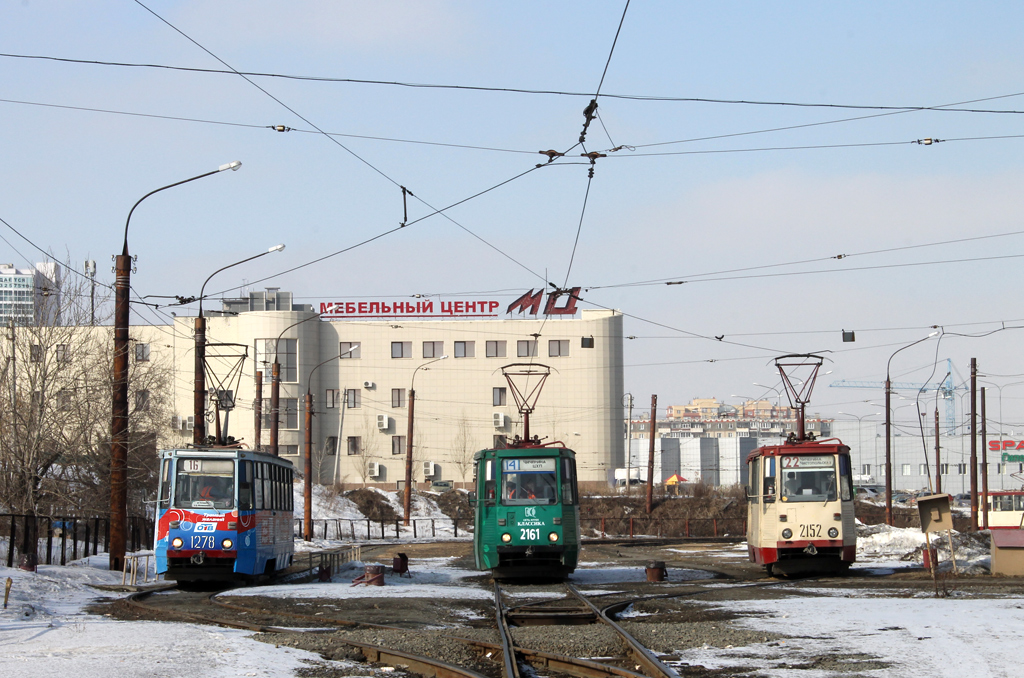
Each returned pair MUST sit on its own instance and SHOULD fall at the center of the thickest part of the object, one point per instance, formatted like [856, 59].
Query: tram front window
[528, 481]
[808, 478]
[205, 483]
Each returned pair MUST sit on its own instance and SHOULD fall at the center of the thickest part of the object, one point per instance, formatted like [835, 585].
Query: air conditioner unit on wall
[190, 423]
[499, 420]
[369, 384]
[428, 469]
[373, 468]
[382, 422]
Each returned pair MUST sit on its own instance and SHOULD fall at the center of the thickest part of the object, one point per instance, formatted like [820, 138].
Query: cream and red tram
[800, 507]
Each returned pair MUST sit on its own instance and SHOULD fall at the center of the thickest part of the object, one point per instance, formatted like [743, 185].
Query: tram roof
[827, 446]
[527, 451]
[223, 453]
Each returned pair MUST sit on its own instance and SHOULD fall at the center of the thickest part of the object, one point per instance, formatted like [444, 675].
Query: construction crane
[945, 387]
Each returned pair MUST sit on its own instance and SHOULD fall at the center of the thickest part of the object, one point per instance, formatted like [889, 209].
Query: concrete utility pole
[938, 460]
[629, 439]
[407, 497]
[984, 462]
[257, 408]
[974, 444]
[650, 455]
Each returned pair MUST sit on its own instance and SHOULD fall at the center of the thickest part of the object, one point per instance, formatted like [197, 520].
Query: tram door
[753, 502]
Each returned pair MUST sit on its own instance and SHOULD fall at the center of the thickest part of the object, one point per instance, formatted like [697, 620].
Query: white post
[341, 422]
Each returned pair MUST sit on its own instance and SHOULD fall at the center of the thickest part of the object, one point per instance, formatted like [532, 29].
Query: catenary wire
[515, 90]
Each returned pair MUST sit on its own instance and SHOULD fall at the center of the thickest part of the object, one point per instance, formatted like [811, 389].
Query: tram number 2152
[810, 531]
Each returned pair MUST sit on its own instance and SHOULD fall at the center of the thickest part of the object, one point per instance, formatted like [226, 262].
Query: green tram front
[527, 512]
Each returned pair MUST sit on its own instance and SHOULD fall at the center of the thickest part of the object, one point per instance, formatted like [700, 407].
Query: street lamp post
[275, 386]
[199, 393]
[307, 461]
[119, 391]
[860, 431]
[407, 498]
[888, 429]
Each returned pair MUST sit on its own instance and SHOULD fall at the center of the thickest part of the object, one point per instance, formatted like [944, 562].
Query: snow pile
[889, 545]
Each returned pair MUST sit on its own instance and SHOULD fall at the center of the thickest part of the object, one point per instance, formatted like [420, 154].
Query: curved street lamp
[307, 461]
[199, 390]
[407, 498]
[888, 428]
[119, 392]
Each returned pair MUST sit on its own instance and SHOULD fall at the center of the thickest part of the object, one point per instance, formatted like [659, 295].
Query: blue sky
[69, 177]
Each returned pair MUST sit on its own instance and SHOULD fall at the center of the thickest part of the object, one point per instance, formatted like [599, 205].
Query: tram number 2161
[810, 531]
[527, 533]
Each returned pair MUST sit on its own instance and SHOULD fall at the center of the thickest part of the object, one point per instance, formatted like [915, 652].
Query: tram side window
[289, 495]
[257, 485]
[1002, 502]
[568, 481]
[490, 485]
[753, 473]
[769, 479]
[1018, 502]
[245, 485]
[165, 484]
[845, 478]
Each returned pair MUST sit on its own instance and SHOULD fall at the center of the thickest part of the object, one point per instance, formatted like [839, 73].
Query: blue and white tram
[223, 514]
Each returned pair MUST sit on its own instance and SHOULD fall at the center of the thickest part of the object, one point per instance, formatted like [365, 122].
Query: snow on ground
[925, 636]
[431, 578]
[596, 574]
[45, 632]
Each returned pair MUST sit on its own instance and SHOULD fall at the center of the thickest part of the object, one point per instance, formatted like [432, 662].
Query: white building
[30, 296]
[462, 403]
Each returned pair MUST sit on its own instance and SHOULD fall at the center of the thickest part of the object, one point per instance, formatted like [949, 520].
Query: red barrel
[656, 571]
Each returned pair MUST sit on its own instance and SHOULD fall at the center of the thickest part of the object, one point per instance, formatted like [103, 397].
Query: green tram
[527, 519]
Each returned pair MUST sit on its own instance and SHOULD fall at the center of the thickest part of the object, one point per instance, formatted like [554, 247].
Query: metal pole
[407, 496]
[275, 399]
[938, 461]
[888, 451]
[258, 410]
[629, 442]
[307, 470]
[650, 455]
[119, 417]
[199, 390]
[337, 448]
[984, 462]
[974, 444]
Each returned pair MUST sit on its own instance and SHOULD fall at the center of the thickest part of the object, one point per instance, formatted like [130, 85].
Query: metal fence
[365, 528]
[62, 539]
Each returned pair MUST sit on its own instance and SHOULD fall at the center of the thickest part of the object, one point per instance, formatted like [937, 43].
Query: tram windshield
[808, 478]
[529, 481]
[205, 483]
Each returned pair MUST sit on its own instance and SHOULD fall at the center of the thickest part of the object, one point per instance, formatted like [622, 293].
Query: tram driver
[792, 484]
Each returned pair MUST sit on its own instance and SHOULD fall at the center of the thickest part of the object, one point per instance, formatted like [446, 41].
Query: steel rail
[652, 666]
[510, 667]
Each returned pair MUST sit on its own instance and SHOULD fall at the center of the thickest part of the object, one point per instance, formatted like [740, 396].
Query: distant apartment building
[30, 296]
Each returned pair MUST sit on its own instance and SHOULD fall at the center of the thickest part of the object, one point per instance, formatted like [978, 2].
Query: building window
[35, 353]
[558, 348]
[354, 445]
[349, 350]
[922, 469]
[288, 450]
[398, 397]
[353, 398]
[433, 349]
[287, 416]
[865, 469]
[526, 348]
[905, 469]
[961, 469]
[499, 396]
[944, 469]
[1000, 469]
[285, 353]
[63, 353]
[331, 445]
[331, 400]
[398, 444]
[142, 401]
[401, 349]
[495, 349]
[142, 353]
[465, 349]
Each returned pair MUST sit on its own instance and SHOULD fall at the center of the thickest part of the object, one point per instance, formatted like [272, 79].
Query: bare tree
[462, 447]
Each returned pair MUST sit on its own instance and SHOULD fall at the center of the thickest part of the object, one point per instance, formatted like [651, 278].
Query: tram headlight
[553, 536]
[506, 537]
[227, 544]
[787, 533]
[177, 543]
[833, 532]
